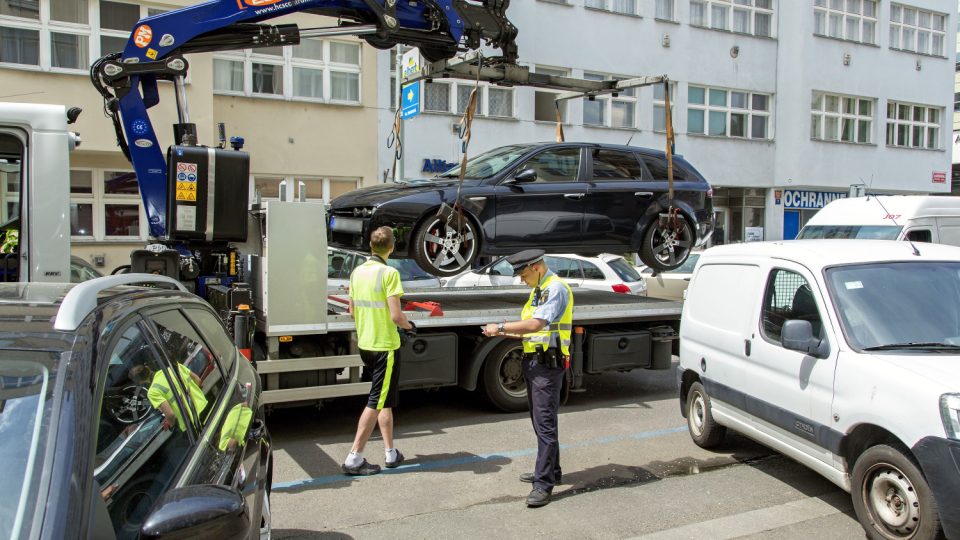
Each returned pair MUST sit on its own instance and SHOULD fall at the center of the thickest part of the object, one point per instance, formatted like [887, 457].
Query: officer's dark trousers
[543, 396]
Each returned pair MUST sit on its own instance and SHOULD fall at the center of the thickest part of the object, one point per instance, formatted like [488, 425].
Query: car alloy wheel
[667, 243]
[445, 248]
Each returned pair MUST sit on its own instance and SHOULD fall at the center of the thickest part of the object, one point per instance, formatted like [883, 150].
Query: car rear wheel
[891, 497]
[445, 249]
[704, 431]
[503, 381]
[667, 244]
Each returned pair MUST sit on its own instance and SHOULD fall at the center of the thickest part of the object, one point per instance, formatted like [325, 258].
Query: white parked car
[672, 283]
[605, 272]
[845, 356]
[340, 262]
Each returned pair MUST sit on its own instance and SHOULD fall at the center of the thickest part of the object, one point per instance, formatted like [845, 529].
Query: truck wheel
[891, 497]
[441, 250]
[665, 248]
[503, 381]
[704, 431]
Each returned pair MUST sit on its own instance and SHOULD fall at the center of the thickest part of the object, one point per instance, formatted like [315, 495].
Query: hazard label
[186, 195]
[187, 168]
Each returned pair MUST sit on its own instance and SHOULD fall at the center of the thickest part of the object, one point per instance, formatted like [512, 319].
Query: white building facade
[781, 104]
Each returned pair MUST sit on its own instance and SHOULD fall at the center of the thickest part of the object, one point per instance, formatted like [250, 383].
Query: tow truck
[253, 262]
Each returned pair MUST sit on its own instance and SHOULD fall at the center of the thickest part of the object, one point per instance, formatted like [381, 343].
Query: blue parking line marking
[465, 460]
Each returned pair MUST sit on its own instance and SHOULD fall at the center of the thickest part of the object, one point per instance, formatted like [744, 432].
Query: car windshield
[489, 163]
[27, 385]
[846, 232]
[409, 269]
[910, 305]
[624, 271]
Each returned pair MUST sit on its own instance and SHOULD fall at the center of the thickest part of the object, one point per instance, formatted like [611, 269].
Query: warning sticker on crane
[187, 182]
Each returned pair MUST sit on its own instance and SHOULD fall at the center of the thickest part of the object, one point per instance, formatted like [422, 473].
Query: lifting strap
[670, 141]
[464, 133]
[393, 139]
[560, 137]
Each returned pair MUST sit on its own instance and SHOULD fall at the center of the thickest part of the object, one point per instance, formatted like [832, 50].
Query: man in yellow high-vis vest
[545, 325]
[375, 293]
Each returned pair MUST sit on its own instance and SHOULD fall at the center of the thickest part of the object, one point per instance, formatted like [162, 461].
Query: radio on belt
[207, 193]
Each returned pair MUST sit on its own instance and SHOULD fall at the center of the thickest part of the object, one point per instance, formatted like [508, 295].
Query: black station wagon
[126, 412]
[562, 197]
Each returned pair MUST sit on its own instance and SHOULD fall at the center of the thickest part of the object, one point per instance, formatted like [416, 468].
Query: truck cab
[917, 218]
[35, 144]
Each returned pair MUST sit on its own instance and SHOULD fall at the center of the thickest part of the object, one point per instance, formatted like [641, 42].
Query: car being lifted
[562, 197]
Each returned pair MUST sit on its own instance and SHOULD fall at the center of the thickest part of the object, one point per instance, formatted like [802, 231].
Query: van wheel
[704, 431]
[891, 497]
[503, 381]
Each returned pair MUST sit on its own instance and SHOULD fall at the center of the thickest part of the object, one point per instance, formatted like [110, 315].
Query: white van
[920, 218]
[843, 355]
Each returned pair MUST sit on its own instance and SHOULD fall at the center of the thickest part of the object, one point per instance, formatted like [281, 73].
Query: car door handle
[574, 196]
[746, 347]
[643, 194]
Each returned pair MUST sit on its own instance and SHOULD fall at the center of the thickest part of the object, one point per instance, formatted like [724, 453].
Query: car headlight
[950, 413]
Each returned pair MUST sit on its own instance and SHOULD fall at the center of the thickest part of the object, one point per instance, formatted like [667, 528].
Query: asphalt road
[630, 470]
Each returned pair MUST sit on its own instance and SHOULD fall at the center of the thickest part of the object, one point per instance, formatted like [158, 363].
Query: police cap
[521, 260]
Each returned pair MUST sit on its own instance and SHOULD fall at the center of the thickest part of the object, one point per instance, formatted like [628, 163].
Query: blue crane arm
[128, 81]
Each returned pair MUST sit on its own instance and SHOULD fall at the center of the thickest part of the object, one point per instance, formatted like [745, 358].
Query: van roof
[873, 210]
[817, 254]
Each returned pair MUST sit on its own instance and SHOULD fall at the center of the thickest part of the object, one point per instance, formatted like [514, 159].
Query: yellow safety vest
[562, 328]
[370, 285]
[161, 390]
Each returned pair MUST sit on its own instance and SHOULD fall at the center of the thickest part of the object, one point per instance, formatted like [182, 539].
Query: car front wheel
[891, 497]
[667, 243]
[445, 248]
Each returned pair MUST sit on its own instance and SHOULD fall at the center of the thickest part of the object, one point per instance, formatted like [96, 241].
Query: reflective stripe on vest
[563, 328]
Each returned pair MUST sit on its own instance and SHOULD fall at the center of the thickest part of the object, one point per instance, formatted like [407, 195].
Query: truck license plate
[353, 225]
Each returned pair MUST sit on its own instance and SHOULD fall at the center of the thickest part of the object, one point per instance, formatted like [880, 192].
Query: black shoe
[538, 497]
[395, 463]
[365, 468]
[528, 478]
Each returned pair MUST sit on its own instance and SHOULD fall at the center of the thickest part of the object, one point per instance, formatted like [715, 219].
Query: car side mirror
[797, 335]
[204, 511]
[524, 177]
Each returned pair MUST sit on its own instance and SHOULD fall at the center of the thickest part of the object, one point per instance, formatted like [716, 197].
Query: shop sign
[794, 198]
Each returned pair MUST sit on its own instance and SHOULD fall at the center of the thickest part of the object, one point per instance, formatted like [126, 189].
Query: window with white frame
[71, 29]
[317, 189]
[660, 106]
[720, 112]
[664, 10]
[913, 126]
[545, 101]
[315, 70]
[607, 110]
[917, 30]
[835, 117]
[854, 20]
[105, 205]
[626, 7]
[453, 97]
[741, 16]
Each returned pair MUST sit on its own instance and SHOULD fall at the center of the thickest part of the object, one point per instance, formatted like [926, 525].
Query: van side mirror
[797, 335]
[524, 177]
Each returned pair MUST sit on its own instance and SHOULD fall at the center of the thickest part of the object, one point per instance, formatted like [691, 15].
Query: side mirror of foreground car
[524, 177]
[206, 511]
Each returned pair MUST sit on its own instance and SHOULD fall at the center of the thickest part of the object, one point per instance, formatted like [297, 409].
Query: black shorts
[384, 369]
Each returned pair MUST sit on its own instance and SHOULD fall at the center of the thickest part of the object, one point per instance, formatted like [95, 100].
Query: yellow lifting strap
[393, 140]
[466, 124]
[669, 122]
[560, 137]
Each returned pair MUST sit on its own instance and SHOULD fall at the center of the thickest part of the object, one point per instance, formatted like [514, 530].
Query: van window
[723, 296]
[861, 232]
[919, 235]
[11, 158]
[788, 297]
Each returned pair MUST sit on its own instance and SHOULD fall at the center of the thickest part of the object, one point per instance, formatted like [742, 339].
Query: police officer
[545, 325]
[375, 293]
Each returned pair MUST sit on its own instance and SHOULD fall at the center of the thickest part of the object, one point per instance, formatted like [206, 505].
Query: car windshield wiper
[914, 345]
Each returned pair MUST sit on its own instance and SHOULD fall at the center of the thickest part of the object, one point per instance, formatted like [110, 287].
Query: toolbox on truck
[617, 349]
[207, 193]
[426, 361]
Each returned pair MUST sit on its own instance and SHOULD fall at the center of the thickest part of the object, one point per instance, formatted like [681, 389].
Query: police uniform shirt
[551, 303]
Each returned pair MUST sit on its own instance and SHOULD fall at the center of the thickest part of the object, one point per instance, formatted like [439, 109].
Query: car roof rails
[82, 299]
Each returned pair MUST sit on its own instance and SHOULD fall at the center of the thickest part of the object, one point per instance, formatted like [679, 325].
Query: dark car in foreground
[562, 197]
[126, 412]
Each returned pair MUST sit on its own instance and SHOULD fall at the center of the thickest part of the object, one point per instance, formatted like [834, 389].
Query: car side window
[616, 165]
[138, 451]
[564, 268]
[196, 366]
[216, 335]
[658, 168]
[502, 268]
[556, 165]
[788, 297]
[338, 264]
[591, 271]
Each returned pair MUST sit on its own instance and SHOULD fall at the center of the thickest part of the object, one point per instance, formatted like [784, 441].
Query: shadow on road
[296, 534]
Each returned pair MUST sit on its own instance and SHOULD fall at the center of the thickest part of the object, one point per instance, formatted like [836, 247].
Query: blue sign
[794, 198]
[410, 100]
[437, 165]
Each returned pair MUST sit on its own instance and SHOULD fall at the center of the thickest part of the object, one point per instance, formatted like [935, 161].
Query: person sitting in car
[161, 392]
